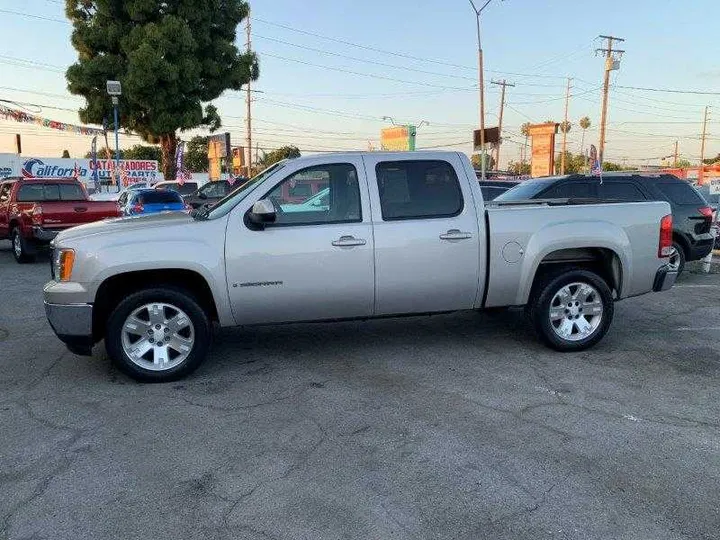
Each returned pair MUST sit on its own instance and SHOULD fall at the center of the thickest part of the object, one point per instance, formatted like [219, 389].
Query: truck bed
[524, 234]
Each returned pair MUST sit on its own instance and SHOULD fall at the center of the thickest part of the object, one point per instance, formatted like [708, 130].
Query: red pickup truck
[34, 210]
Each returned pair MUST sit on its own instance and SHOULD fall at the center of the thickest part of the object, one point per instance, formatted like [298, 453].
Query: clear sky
[309, 97]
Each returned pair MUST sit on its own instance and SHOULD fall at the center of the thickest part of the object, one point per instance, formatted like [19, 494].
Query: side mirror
[261, 213]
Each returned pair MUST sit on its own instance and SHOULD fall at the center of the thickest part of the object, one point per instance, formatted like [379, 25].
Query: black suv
[210, 193]
[692, 216]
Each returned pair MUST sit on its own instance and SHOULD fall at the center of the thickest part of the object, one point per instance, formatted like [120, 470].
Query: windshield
[525, 190]
[227, 203]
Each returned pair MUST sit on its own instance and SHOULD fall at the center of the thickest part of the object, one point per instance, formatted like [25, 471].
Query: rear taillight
[666, 244]
[707, 212]
[37, 215]
[138, 208]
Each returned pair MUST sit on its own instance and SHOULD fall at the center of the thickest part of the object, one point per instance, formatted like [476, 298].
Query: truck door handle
[81, 209]
[455, 234]
[349, 241]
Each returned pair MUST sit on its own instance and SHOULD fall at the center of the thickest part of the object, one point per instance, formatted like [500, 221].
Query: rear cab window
[160, 197]
[422, 189]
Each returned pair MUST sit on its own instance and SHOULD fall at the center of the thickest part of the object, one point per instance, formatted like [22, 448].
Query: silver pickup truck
[399, 233]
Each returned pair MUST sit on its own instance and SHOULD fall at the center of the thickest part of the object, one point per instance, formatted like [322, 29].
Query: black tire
[680, 257]
[21, 247]
[542, 297]
[202, 330]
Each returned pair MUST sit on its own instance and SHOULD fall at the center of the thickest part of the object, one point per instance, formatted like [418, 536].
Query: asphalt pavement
[447, 427]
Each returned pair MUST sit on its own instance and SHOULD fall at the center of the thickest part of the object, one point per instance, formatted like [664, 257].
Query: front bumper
[665, 278]
[72, 323]
[44, 235]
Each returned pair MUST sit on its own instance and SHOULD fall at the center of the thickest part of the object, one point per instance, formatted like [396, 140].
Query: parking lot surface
[445, 427]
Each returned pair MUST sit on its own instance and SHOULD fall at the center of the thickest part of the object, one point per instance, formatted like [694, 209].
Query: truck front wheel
[158, 335]
[20, 248]
[572, 310]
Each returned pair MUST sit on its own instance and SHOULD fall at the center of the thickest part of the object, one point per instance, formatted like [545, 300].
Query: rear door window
[621, 191]
[419, 189]
[681, 193]
[71, 192]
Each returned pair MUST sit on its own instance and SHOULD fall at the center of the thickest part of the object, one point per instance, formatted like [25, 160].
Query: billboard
[398, 138]
[136, 170]
[543, 149]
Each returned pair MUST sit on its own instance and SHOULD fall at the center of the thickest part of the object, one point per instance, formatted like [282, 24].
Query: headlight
[63, 261]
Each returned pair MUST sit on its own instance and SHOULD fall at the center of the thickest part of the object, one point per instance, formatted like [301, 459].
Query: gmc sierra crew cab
[401, 233]
[34, 210]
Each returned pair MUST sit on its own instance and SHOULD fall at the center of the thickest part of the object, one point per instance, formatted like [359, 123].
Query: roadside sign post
[114, 90]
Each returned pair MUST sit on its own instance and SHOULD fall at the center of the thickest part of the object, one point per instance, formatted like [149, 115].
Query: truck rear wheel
[571, 310]
[20, 248]
[158, 335]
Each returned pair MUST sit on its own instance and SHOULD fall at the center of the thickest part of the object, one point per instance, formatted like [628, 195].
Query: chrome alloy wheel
[158, 336]
[576, 311]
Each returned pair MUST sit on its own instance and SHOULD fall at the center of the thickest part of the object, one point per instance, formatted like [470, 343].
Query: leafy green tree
[172, 57]
[712, 160]
[682, 163]
[489, 162]
[141, 151]
[610, 166]
[284, 152]
[196, 154]
[66, 154]
[519, 167]
[102, 153]
[565, 127]
[574, 163]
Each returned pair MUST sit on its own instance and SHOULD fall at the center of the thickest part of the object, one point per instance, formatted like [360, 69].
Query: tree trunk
[168, 144]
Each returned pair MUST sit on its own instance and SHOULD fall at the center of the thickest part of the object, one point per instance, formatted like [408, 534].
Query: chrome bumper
[72, 323]
[665, 278]
[44, 235]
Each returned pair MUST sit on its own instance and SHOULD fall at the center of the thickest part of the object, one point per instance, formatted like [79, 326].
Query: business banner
[135, 170]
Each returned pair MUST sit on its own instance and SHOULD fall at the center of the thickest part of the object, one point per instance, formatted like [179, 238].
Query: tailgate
[61, 215]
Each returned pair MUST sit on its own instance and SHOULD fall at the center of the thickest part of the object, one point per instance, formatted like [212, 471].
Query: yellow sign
[215, 154]
[398, 139]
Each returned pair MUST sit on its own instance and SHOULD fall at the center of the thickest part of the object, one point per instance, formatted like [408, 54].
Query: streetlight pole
[114, 89]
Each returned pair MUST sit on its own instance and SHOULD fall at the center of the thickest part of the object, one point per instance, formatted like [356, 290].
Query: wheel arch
[116, 287]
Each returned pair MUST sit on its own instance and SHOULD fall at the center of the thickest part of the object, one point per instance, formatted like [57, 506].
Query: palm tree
[525, 130]
[584, 124]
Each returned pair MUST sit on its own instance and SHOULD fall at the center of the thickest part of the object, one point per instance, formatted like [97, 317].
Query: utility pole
[609, 66]
[249, 103]
[675, 159]
[481, 85]
[564, 127]
[502, 84]
[701, 176]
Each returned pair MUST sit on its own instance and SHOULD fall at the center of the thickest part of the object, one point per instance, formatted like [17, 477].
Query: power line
[31, 16]
[671, 91]
[372, 75]
[365, 60]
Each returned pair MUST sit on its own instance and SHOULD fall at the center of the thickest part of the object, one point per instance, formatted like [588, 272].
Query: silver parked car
[400, 233]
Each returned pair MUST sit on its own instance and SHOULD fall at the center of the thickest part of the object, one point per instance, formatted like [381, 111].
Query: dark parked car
[210, 193]
[492, 189]
[183, 188]
[692, 216]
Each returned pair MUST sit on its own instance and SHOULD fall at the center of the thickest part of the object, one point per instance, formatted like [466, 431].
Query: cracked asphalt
[448, 427]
